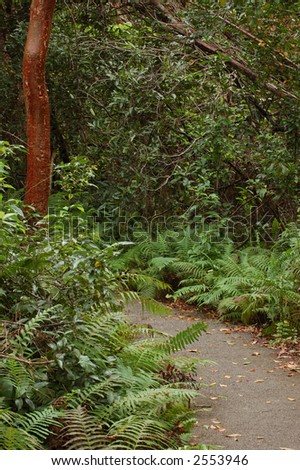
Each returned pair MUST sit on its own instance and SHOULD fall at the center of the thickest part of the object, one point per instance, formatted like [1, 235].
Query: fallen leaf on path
[223, 385]
[255, 354]
[241, 376]
[206, 426]
[215, 421]
[225, 331]
[258, 381]
[204, 407]
[193, 350]
[259, 437]
[235, 363]
[270, 371]
[283, 353]
[214, 398]
[246, 363]
[291, 399]
[219, 428]
[252, 370]
[234, 436]
[269, 401]
[285, 448]
[227, 376]
[293, 366]
[213, 384]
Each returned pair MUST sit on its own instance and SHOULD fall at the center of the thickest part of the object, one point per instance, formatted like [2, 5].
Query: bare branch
[25, 361]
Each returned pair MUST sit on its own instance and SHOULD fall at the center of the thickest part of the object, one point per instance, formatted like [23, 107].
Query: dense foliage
[74, 372]
[175, 146]
[165, 126]
[252, 284]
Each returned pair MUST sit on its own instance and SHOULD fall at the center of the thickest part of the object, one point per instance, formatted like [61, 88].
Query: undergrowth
[252, 284]
[75, 373]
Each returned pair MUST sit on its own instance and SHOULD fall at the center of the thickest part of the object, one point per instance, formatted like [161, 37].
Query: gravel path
[251, 399]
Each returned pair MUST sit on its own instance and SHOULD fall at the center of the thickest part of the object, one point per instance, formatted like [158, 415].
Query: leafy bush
[74, 372]
[90, 382]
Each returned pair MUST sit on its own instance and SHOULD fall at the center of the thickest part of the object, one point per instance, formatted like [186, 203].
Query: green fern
[250, 284]
[18, 432]
[15, 379]
[38, 423]
[75, 372]
[82, 431]
[22, 341]
[141, 432]
[12, 438]
[154, 401]
[89, 395]
[185, 337]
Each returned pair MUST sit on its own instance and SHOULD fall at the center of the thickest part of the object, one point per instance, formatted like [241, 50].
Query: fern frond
[144, 355]
[22, 341]
[38, 423]
[104, 331]
[141, 433]
[15, 378]
[160, 262]
[154, 307]
[12, 438]
[88, 396]
[153, 401]
[190, 269]
[141, 280]
[82, 431]
[185, 337]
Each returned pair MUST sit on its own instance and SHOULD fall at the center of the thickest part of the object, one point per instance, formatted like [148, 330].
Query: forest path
[252, 397]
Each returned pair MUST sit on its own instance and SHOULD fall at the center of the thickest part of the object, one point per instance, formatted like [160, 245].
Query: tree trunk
[38, 180]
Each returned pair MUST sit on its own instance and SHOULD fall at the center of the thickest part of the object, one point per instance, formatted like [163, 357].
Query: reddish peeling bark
[38, 180]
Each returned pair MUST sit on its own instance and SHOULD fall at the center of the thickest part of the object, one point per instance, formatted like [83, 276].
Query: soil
[251, 393]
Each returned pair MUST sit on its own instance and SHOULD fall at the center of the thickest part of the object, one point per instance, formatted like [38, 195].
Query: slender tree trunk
[38, 180]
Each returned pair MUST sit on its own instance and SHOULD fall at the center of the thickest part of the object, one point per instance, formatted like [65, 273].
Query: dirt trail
[250, 395]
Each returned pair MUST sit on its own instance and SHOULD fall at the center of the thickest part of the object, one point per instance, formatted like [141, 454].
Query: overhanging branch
[209, 48]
